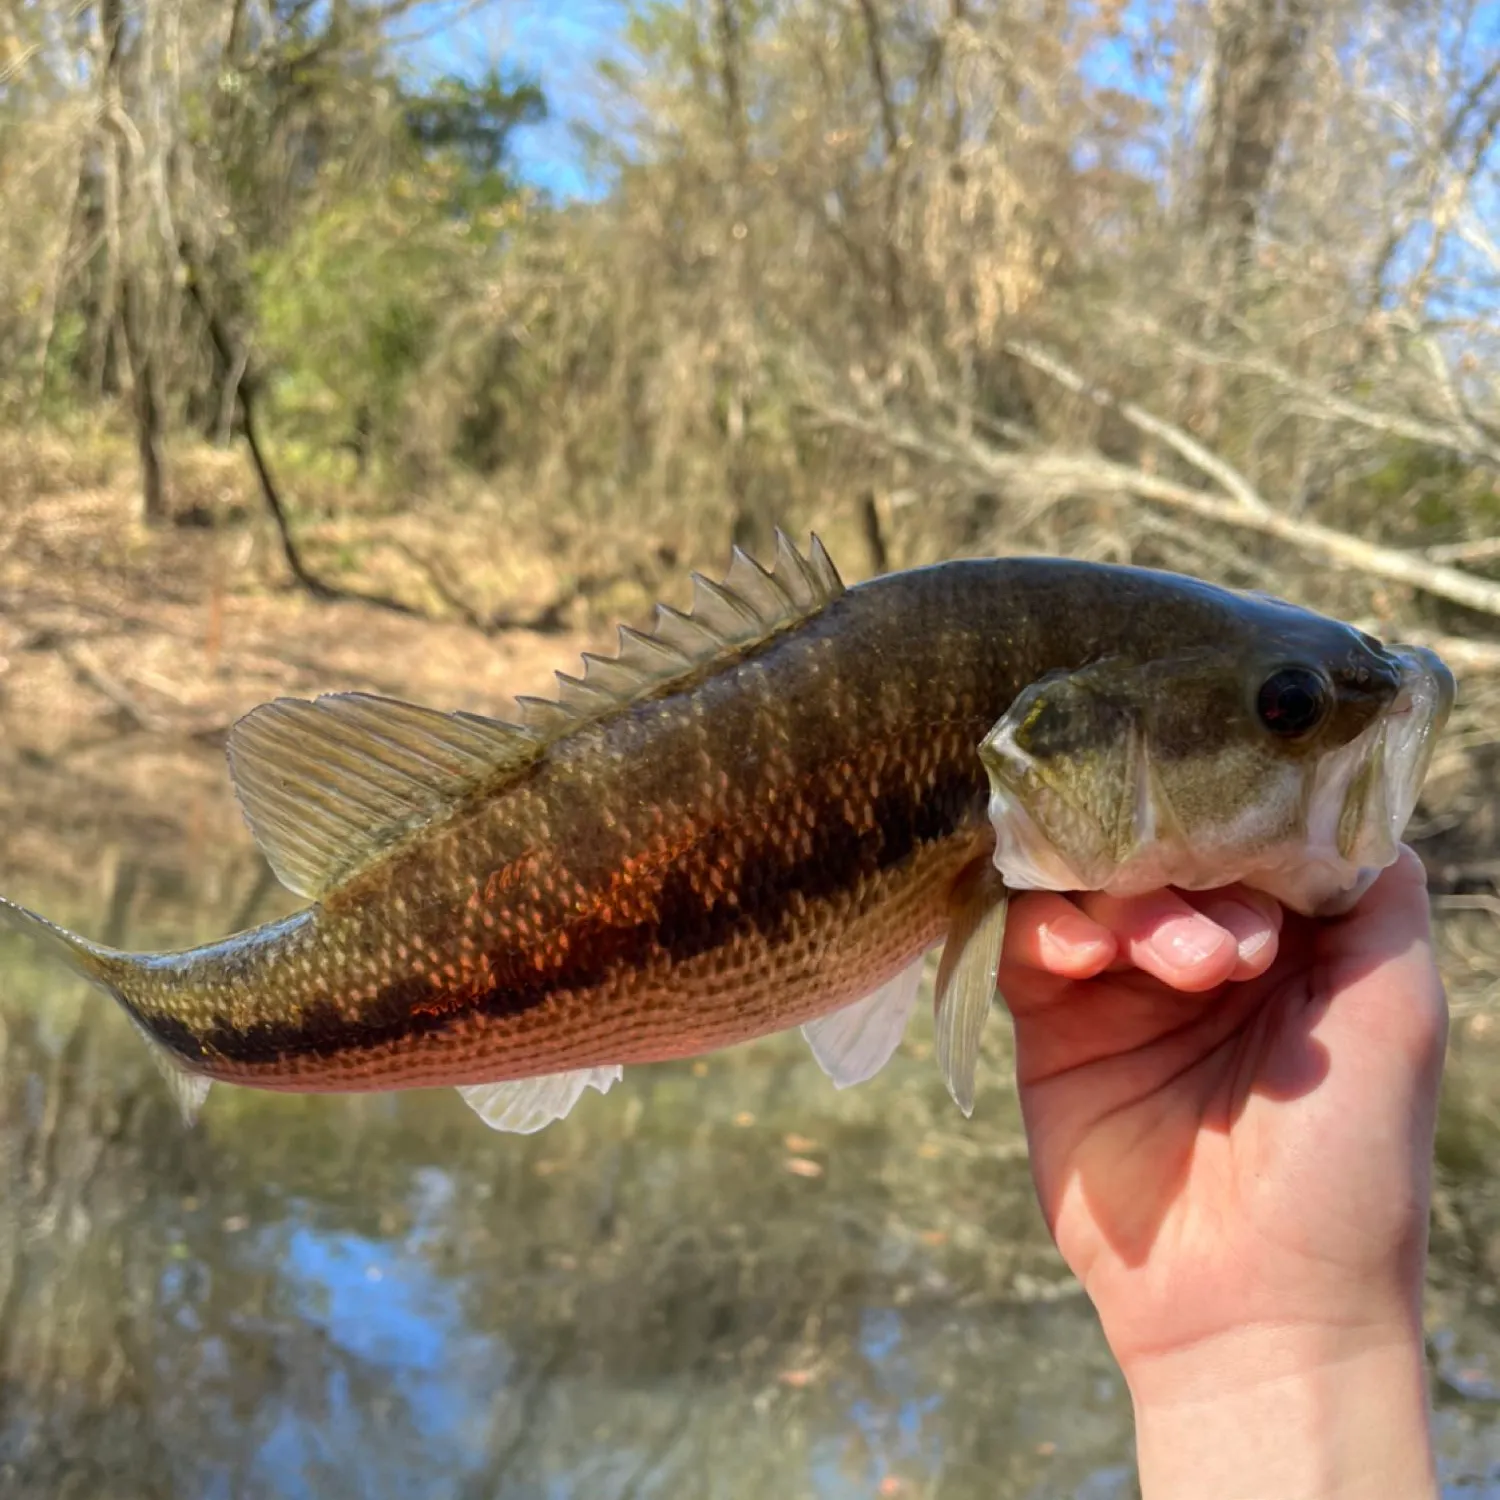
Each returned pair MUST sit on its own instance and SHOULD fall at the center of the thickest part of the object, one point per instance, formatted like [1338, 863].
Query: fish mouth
[1412, 724]
[1363, 795]
[1418, 663]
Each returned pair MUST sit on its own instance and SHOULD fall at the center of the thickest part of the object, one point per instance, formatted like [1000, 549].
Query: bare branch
[1464, 437]
[1206, 462]
[1091, 474]
[1460, 652]
[1486, 549]
[90, 671]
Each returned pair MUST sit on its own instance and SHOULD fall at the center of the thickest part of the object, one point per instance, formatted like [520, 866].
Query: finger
[1252, 919]
[1048, 932]
[1167, 938]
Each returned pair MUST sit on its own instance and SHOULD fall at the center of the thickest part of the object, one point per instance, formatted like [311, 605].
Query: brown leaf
[801, 1166]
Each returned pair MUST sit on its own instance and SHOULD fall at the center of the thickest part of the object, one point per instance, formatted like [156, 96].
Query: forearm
[1273, 1415]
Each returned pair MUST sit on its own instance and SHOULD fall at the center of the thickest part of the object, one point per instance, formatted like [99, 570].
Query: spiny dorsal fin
[329, 785]
[751, 604]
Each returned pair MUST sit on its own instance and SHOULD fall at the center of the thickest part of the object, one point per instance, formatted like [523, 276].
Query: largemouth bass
[762, 815]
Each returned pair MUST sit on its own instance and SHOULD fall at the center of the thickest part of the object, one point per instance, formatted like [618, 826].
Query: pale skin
[1231, 1113]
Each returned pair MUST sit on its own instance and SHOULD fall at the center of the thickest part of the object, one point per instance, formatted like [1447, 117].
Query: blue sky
[561, 43]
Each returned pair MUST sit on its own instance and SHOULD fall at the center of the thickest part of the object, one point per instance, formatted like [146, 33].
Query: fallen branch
[1467, 436]
[1091, 474]
[1203, 459]
[91, 672]
[1463, 655]
[549, 618]
[1389, 563]
[1487, 549]
[1460, 877]
[1469, 902]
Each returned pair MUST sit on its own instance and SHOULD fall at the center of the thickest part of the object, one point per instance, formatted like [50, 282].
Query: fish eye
[1293, 701]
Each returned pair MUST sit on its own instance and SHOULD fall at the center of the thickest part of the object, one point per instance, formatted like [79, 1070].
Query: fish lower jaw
[1313, 879]
[1312, 883]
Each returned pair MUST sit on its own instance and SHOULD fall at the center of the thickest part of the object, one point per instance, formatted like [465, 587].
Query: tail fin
[106, 968]
[90, 960]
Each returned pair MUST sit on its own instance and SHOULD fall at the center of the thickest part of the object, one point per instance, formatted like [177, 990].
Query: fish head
[1267, 745]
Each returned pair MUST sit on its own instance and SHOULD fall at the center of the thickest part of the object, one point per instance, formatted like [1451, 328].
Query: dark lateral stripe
[770, 887]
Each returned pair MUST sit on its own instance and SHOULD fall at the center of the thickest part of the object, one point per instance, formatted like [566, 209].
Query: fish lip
[1404, 704]
[1403, 736]
[1421, 663]
[1422, 674]
[1411, 726]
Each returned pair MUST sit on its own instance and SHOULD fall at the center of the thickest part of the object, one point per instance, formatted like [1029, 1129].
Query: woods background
[306, 386]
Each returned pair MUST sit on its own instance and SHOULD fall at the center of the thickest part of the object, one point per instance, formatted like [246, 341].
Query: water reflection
[725, 1280]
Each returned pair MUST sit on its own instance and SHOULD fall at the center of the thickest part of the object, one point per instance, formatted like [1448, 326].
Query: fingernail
[1054, 949]
[1066, 940]
[1245, 925]
[1254, 944]
[1250, 947]
[1076, 960]
[1186, 940]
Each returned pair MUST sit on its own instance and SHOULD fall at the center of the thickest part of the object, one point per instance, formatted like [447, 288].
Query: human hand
[1231, 1113]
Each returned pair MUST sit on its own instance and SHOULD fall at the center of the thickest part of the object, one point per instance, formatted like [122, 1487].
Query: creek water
[726, 1279]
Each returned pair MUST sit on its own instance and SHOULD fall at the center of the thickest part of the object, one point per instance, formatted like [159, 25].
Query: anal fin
[523, 1106]
[966, 976]
[854, 1043]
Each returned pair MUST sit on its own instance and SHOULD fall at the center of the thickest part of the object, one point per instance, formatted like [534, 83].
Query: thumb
[1380, 977]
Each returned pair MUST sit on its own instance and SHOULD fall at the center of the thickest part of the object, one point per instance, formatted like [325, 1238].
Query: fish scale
[762, 816]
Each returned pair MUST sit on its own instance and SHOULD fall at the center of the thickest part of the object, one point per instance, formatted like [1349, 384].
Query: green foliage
[329, 206]
[347, 307]
[465, 127]
[349, 302]
[1416, 488]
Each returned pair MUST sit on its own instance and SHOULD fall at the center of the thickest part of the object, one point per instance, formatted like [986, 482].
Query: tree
[191, 137]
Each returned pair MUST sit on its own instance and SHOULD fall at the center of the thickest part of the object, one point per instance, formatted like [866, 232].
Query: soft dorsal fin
[329, 785]
[751, 604]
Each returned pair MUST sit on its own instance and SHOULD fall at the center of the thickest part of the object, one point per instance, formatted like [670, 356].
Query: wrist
[1291, 1413]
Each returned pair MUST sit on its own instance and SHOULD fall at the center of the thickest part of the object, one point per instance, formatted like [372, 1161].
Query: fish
[762, 815]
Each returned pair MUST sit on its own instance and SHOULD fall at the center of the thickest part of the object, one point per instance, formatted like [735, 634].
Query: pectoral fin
[966, 976]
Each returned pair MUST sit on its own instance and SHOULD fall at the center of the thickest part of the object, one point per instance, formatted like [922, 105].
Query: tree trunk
[146, 398]
[1257, 53]
[752, 523]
